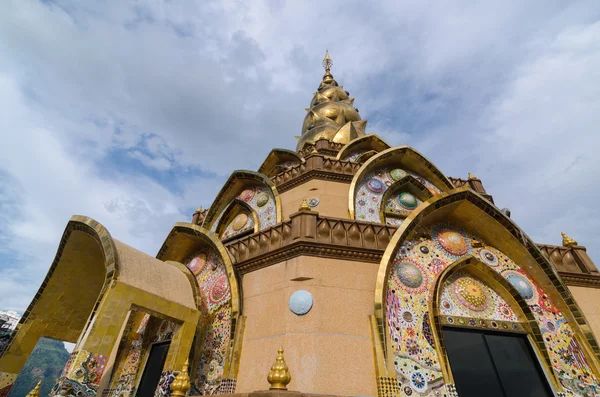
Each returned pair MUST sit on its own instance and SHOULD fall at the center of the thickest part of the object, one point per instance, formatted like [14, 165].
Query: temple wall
[588, 300]
[329, 349]
[332, 196]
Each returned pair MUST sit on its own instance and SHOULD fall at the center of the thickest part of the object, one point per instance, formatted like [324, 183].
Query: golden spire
[327, 62]
[471, 176]
[304, 206]
[568, 241]
[181, 384]
[279, 376]
[36, 391]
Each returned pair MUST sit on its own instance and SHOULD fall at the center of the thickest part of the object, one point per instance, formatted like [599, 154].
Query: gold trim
[378, 355]
[231, 211]
[370, 138]
[543, 274]
[228, 193]
[191, 278]
[401, 155]
[275, 157]
[415, 187]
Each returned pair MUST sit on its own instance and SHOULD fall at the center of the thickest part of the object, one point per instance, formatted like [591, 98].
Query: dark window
[153, 369]
[498, 364]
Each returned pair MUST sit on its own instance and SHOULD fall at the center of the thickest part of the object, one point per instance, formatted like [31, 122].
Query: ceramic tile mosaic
[81, 375]
[164, 384]
[6, 383]
[354, 156]
[369, 194]
[411, 278]
[463, 295]
[165, 331]
[260, 199]
[238, 225]
[216, 314]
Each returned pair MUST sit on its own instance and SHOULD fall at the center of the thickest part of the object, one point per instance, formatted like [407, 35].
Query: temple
[376, 273]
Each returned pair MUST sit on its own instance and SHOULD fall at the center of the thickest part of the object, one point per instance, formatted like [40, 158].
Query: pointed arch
[204, 254]
[236, 209]
[408, 184]
[488, 229]
[363, 144]
[277, 160]
[402, 160]
[236, 185]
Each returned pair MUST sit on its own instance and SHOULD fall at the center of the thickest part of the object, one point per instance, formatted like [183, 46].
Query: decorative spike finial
[471, 176]
[568, 241]
[304, 206]
[181, 384]
[36, 390]
[279, 376]
[327, 62]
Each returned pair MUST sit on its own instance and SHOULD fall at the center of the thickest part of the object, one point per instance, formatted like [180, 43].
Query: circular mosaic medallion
[452, 242]
[397, 174]
[301, 302]
[436, 265]
[470, 294]
[505, 311]
[247, 195]
[408, 200]
[239, 222]
[550, 326]
[375, 185]
[418, 381]
[407, 318]
[197, 263]
[219, 289]
[262, 199]
[521, 284]
[312, 202]
[409, 275]
[488, 257]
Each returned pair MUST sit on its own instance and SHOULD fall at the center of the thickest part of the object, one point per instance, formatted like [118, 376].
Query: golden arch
[183, 241]
[405, 157]
[507, 292]
[276, 157]
[236, 207]
[367, 142]
[409, 183]
[234, 184]
[463, 207]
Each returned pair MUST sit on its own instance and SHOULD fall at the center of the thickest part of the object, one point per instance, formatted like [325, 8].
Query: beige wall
[333, 197]
[328, 350]
[588, 300]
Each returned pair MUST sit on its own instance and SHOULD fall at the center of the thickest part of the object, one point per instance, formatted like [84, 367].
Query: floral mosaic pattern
[369, 196]
[260, 199]
[216, 314]
[413, 272]
[240, 224]
[354, 156]
[6, 383]
[164, 384]
[81, 375]
[463, 295]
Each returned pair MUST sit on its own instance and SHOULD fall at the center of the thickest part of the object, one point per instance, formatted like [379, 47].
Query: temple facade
[377, 273]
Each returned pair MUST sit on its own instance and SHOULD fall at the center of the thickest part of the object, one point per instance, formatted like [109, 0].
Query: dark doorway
[153, 369]
[495, 364]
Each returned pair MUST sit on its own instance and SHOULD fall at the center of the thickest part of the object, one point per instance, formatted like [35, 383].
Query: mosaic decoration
[370, 191]
[164, 384]
[240, 224]
[215, 337]
[466, 301]
[463, 295]
[81, 375]
[7, 381]
[260, 199]
[354, 156]
[165, 332]
[313, 202]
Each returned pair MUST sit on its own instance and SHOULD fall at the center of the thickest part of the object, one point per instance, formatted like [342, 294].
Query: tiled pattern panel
[164, 384]
[369, 194]
[410, 281]
[354, 156]
[238, 225]
[6, 382]
[81, 375]
[260, 199]
[463, 295]
[209, 269]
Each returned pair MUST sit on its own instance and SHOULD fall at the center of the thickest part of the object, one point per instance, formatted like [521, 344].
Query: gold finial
[327, 62]
[471, 176]
[199, 210]
[279, 376]
[304, 206]
[36, 390]
[181, 384]
[568, 241]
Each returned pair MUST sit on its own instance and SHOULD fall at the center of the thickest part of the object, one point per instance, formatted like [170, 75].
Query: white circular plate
[301, 302]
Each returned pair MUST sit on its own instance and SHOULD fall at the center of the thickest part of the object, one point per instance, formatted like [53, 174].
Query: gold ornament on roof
[471, 176]
[181, 384]
[304, 206]
[36, 390]
[327, 62]
[568, 241]
[279, 376]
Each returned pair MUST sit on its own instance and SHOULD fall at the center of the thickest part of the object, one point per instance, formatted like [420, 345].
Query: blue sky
[134, 113]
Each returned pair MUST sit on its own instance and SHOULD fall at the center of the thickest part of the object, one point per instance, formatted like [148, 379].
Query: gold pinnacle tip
[568, 241]
[181, 384]
[304, 206]
[279, 376]
[36, 390]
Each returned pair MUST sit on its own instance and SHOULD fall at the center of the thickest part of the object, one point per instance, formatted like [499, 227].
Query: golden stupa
[378, 273]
